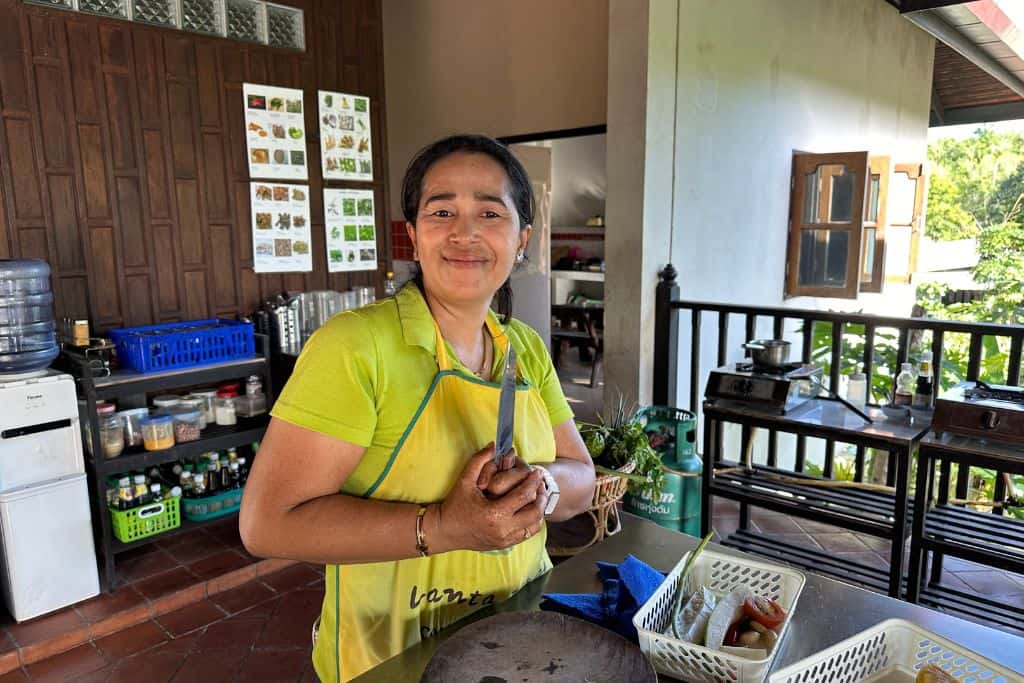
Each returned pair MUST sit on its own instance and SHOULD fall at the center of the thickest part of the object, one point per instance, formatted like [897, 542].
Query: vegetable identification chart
[280, 228]
[351, 232]
[345, 146]
[275, 132]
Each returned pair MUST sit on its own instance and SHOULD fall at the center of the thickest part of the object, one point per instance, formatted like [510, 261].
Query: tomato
[764, 611]
[732, 636]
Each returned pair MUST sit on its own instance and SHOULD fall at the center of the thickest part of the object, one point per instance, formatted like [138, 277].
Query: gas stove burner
[988, 392]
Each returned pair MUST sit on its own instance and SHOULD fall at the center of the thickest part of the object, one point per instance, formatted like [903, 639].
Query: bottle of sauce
[904, 395]
[125, 494]
[390, 288]
[925, 389]
[141, 491]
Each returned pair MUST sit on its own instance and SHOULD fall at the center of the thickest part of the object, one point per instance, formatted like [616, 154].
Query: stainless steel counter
[828, 611]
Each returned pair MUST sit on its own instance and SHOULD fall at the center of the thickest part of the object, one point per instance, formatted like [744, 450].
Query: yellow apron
[371, 612]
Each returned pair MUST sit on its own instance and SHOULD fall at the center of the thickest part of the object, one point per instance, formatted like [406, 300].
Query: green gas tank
[672, 434]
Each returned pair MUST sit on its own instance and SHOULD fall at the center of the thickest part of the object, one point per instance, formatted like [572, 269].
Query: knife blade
[506, 408]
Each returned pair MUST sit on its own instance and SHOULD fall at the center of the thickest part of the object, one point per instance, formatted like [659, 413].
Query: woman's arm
[573, 470]
[292, 508]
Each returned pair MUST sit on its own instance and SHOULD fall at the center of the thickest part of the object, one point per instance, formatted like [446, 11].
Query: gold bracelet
[421, 540]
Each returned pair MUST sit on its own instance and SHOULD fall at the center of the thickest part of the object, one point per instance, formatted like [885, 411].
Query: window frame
[880, 166]
[916, 172]
[804, 164]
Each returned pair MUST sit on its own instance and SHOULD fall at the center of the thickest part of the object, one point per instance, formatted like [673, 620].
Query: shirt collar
[417, 322]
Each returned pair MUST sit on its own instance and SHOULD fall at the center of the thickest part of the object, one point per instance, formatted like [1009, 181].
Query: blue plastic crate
[171, 346]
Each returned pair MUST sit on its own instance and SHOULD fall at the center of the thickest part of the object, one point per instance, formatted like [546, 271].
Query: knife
[506, 409]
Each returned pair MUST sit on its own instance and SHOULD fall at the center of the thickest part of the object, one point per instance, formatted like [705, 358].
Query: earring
[519, 257]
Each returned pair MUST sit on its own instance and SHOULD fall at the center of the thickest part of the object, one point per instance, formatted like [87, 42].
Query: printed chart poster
[345, 136]
[275, 132]
[280, 228]
[351, 235]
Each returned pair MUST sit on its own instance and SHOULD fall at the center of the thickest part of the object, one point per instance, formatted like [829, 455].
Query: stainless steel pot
[771, 353]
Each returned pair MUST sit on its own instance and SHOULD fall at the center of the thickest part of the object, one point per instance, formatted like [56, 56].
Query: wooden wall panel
[94, 174]
[123, 157]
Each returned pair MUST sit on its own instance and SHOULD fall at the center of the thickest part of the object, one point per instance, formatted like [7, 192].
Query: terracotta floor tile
[195, 547]
[243, 597]
[6, 642]
[775, 524]
[879, 545]
[131, 640]
[231, 580]
[801, 539]
[274, 667]
[168, 582]
[867, 557]
[215, 565]
[98, 676]
[46, 627]
[840, 543]
[141, 551]
[725, 526]
[122, 620]
[291, 624]
[815, 528]
[209, 667]
[108, 604]
[291, 578]
[989, 582]
[146, 566]
[150, 667]
[264, 609]
[231, 635]
[190, 618]
[182, 645]
[273, 565]
[16, 676]
[81, 660]
[9, 661]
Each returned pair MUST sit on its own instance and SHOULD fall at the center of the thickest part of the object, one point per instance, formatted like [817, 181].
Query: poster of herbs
[346, 149]
[350, 224]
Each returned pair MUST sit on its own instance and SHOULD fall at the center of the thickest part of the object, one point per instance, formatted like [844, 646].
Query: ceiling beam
[981, 114]
[909, 6]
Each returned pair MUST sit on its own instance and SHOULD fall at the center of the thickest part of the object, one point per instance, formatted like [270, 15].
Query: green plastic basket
[212, 507]
[145, 521]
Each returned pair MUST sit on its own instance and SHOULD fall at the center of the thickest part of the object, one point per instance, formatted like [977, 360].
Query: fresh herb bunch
[622, 440]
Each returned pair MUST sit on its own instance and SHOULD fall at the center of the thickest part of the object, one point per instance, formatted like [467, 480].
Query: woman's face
[467, 231]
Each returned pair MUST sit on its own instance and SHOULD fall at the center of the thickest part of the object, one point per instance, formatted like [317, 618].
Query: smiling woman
[379, 458]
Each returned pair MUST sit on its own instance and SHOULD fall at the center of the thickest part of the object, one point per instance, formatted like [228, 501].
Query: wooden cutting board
[535, 647]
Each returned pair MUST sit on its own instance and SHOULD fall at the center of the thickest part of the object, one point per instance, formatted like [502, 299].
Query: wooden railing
[670, 319]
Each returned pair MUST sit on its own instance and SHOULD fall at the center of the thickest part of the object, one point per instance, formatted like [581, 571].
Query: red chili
[732, 635]
[764, 611]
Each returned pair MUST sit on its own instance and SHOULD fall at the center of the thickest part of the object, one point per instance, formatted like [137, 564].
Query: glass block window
[201, 16]
[159, 12]
[63, 4]
[284, 27]
[245, 20]
[111, 8]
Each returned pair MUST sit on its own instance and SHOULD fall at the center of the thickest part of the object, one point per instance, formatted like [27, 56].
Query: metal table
[828, 611]
[945, 529]
[879, 514]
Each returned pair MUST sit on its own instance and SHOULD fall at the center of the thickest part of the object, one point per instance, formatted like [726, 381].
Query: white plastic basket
[893, 645]
[721, 573]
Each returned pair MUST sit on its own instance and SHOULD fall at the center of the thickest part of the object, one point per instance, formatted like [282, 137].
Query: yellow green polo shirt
[361, 377]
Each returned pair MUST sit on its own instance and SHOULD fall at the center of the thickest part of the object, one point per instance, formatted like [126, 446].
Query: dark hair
[519, 187]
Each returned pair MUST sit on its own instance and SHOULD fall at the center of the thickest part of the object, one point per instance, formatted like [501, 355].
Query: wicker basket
[603, 513]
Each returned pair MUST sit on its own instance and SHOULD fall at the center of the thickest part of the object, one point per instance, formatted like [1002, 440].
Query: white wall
[579, 182]
[758, 81]
[500, 68]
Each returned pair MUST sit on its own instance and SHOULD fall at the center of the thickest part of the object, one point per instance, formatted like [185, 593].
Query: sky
[960, 132]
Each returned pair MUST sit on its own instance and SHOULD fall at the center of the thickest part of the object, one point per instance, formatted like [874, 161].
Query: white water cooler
[47, 556]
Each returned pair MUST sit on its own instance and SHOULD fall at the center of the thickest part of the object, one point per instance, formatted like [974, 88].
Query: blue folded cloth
[626, 587]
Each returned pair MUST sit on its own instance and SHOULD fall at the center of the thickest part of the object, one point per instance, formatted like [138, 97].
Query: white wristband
[552, 488]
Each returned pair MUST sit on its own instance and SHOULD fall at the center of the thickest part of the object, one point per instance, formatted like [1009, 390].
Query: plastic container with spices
[254, 402]
[164, 403]
[186, 426]
[207, 396]
[189, 404]
[131, 425]
[224, 408]
[158, 432]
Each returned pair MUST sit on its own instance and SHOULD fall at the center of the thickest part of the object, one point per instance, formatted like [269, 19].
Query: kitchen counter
[828, 611]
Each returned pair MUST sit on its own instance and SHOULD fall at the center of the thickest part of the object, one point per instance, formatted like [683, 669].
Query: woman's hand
[495, 483]
[469, 520]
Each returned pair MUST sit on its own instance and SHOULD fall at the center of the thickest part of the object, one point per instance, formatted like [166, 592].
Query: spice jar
[158, 432]
[164, 403]
[189, 405]
[111, 435]
[254, 402]
[224, 408]
[186, 426]
[131, 425]
[207, 396]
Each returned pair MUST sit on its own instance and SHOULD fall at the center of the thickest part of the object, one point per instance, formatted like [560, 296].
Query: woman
[378, 460]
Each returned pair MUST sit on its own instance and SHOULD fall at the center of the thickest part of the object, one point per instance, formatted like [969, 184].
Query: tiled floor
[256, 632]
